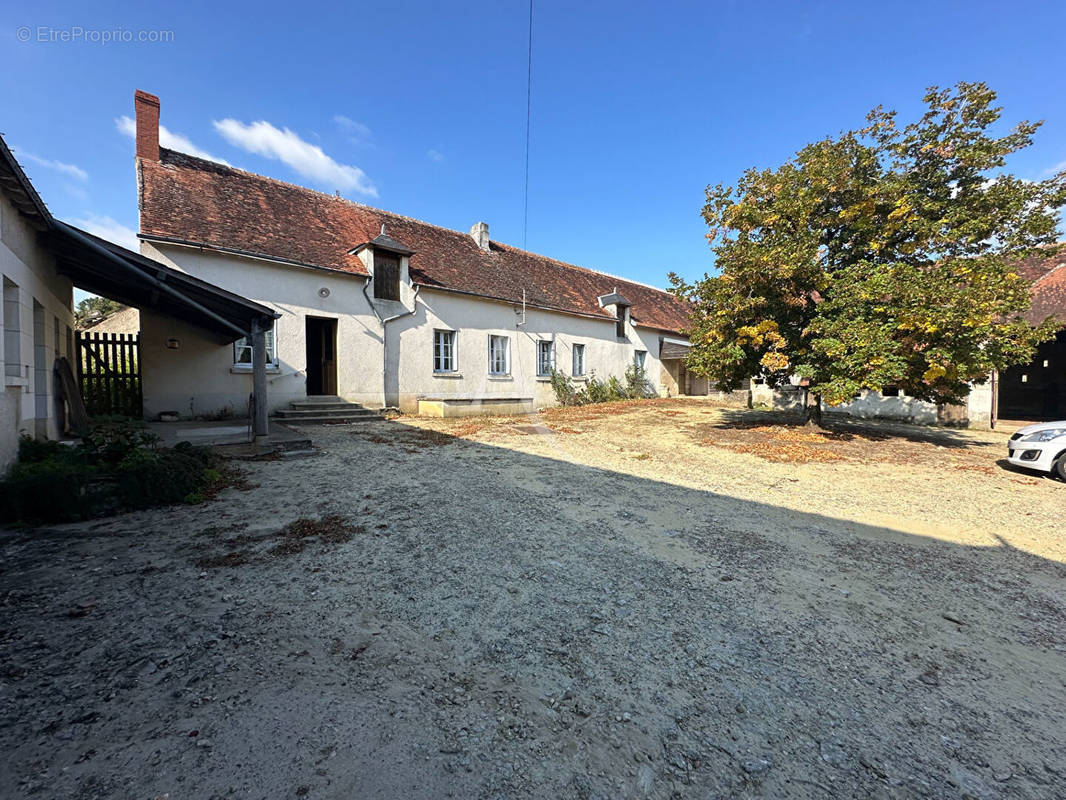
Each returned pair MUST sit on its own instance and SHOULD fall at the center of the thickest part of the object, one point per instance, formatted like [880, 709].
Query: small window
[620, 321]
[891, 391]
[386, 275]
[242, 350]
[545, 358]
[444, 357]
[12, 332]
[579, 360]
[499, 355]
[639, 357]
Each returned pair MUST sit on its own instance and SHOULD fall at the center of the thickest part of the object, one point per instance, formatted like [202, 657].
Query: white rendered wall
[28, 406]
[199, 376]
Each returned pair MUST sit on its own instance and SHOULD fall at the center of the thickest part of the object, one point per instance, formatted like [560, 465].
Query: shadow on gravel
[482, 622]
[849, 428]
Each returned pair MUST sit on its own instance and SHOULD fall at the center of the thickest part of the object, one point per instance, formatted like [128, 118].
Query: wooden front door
[321, 356]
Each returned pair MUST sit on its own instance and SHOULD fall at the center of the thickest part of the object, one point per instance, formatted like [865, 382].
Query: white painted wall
[475, 319]
[28, 406]
[199, 379]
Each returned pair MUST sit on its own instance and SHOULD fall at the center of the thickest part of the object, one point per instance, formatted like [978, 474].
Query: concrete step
[318, 405]
[335, 419]
[303, 413]
[292, 445]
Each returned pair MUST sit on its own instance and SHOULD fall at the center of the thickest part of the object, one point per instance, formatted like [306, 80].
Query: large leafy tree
[880, 257]
[93, 309]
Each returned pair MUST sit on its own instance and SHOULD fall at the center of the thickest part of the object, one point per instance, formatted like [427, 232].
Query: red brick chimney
[147, 113]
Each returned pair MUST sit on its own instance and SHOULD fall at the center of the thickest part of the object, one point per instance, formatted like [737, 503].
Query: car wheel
[1059, 468]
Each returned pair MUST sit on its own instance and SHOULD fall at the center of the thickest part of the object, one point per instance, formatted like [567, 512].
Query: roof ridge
[214, 165]
[1049, 273]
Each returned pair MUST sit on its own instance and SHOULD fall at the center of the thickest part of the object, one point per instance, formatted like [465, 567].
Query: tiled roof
[1047, 274]
[189, 199]
[1049, 296]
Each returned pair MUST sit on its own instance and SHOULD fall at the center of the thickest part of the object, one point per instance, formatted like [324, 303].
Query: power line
[529, 108]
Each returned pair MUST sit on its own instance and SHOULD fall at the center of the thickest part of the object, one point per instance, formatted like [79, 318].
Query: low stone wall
[472, 407]
[738, 399]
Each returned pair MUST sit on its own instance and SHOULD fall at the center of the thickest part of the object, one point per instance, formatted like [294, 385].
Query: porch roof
[107, 269]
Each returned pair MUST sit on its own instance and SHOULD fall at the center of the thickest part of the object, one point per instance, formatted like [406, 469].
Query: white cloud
[168, 139]
[286, 146]
[70, 170]
[110, 229]
[1055, 170]
[358, 133]
[435, 155]
[75, 191]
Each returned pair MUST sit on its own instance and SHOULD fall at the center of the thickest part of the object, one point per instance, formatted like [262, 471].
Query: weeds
[634, 385]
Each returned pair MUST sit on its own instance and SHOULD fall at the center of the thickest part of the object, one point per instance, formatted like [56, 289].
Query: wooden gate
[109, 373]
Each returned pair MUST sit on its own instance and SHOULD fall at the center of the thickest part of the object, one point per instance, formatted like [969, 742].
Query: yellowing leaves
[774, 361]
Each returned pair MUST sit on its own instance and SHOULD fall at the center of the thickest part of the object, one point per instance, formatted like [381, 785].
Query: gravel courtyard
[659, 599]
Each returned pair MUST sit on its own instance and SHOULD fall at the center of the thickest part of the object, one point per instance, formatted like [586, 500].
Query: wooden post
[259, 383]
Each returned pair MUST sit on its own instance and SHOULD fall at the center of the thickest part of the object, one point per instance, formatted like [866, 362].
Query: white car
[1040, 447]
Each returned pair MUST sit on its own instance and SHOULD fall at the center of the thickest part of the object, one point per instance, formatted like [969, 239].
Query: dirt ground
[658, 599]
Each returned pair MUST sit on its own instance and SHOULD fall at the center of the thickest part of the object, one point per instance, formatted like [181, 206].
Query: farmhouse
[379, 309]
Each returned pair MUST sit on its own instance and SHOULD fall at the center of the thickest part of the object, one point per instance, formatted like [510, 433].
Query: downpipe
[385, 334]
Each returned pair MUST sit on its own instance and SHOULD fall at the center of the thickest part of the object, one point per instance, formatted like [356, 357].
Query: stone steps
[325, 410]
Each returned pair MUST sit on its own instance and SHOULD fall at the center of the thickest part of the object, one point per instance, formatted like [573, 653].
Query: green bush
[148, 478]
[636, 382]
[634, 385]
[565, 394]
[54, 489]
[117, 466]
[110, 439]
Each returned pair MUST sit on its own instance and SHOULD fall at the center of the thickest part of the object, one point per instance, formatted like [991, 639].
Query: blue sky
[420, 107]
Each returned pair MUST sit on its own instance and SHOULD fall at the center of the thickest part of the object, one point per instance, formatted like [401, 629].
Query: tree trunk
[812, 413]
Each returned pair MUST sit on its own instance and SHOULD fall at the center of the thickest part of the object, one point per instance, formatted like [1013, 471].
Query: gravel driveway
[658, 599]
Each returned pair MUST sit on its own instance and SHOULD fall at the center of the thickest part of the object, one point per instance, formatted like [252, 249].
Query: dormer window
[620, 321]
[620, 307]
[386, 275]
[387, 254]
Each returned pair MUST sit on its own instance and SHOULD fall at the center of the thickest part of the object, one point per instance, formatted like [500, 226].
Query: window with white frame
[242, 350]
[444, 355]
[639, 357]
[499, 355]
[545, 358]
[579, 360]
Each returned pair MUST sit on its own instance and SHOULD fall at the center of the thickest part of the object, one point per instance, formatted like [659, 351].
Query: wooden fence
[109, 373]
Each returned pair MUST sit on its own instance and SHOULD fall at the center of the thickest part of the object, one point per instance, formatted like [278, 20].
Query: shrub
[110, 439]
[636, 382]
[159, 477]
[565, 394]
[117, 465]
[57, 489]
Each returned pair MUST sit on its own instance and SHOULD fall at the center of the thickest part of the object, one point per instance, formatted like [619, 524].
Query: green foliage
[634, 385]
[60, 487]
[158, 477]
[110, 439]
[93, 309]
[117, 466]
[883, 256]
[565, 393]
[637, 383]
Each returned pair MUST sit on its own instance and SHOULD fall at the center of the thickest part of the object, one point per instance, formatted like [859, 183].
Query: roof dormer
[387, 262]
[619, 307]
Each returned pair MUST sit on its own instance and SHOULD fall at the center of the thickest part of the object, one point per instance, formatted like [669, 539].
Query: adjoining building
[41, 260]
